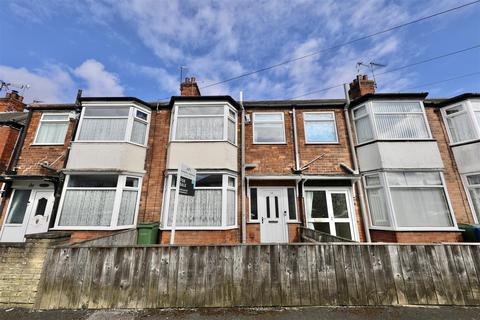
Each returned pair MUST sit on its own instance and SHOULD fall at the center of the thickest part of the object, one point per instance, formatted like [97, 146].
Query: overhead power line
[444, 80]
[396, 69]
[343, 44]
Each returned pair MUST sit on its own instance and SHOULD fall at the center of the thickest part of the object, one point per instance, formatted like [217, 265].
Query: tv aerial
[7, 85]
[372, 65]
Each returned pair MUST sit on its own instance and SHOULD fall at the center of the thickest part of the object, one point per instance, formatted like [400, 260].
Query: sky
[136, 47]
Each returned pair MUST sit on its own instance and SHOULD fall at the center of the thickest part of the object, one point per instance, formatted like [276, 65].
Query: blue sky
[135, 48]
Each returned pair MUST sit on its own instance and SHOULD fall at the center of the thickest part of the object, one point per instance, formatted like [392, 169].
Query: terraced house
[393, 167]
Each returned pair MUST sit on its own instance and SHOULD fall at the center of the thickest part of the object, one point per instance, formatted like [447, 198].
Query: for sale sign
[187, 180]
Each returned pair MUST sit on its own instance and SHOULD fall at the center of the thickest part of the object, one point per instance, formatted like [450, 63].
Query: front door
[330, 211]
[29, 212]
[272, 214]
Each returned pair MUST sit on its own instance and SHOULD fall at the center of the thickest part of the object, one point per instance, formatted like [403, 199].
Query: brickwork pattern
[8, 139]
[415, 236]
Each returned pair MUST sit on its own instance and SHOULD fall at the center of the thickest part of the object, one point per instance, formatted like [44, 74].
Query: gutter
[358, 183]
[242, 174]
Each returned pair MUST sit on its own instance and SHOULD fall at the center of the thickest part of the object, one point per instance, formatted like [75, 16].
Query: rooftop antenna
[181, 73]
[7, 85]
[372, 65]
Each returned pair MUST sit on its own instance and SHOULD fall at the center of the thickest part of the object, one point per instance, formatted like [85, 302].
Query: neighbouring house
[393, 167]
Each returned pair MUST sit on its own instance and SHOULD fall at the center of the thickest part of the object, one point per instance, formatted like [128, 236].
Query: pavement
[307, 313]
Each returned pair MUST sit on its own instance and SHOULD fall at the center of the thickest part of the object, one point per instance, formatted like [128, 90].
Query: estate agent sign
[186, 178]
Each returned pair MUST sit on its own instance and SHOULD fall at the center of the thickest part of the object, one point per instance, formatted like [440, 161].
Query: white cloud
[99, 81]
[56, 83]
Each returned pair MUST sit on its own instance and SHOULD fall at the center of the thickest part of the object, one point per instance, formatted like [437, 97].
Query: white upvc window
[268, 128]
[462, 121]
[99, 202]
[391, 120]
[213, 207]
[472, 182]
[52, 129]
[405, 200]
[114, 123]
[204, 122]
[320, 127]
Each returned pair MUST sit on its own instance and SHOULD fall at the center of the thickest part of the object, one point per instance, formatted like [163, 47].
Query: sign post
[185, 185]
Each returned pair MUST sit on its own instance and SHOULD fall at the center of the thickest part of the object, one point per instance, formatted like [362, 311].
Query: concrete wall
[107, 155]
[202, 155]
[399, 155]
[467, 157]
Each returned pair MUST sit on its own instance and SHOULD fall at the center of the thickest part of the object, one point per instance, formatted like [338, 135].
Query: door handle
[262, 219]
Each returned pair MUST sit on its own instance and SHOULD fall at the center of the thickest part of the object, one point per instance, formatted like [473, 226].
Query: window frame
[391, 210]
[284, 140]
[373, 123]
[121, 179]
[169, 188]
[226, 117]
[350, 203]
[130, 120]
[468, 187]
[42, 120]
[468, 109]
[334, 120]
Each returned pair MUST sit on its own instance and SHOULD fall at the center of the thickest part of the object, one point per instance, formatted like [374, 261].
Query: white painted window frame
[226, 117]
[373, 123]
[130, 119]
[468, 187]
[42, 121]
[331, 220]
[169, 188]
[391, 210]
[116, 204]
[285, 192]
[254, 121]
[468, 109]
[334, 120]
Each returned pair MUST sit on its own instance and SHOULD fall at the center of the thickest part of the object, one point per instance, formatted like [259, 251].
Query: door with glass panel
[29, 212]
[330, 211]
[272, 214]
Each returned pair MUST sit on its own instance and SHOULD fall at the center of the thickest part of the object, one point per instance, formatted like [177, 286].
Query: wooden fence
[260, 275]
[310, 235]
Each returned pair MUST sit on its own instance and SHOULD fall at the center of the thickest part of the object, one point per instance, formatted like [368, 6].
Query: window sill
[417, 229]
[458, 144]
[92, 228]
[114, 142]
[199, 228]
[394, 140]
[269, 143]
[46, 144]
[322, 143]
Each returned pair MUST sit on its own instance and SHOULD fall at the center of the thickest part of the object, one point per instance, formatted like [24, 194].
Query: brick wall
[21, 268]
[458, 197]
[31, 156]
[12, 102]
[201, 236]
[8, 139]
[415, 236]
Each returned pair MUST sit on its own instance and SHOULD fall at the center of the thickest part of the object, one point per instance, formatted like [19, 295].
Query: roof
[125, 99]
[465, 96]
[204, 98]
[389, 96]
[16, 119]
[296, 103]
[52, 106]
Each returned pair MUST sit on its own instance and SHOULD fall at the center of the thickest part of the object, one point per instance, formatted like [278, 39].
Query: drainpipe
[358, 183]
[295, 139]
[19, 145]
[242, 173]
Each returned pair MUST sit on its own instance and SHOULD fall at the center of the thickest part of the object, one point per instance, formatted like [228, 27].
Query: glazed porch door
[272, 215]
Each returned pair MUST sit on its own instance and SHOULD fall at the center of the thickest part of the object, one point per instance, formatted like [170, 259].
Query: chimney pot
[189, 87]
[361, 86]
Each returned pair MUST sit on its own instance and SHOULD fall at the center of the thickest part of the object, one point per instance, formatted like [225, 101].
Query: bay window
[473, 187]
[114, 124]
[463, 121]
[52, 129]
[204, 123]
[390, 120]
[212, 207]
[405, 200]
[268, 128]
[101, 201]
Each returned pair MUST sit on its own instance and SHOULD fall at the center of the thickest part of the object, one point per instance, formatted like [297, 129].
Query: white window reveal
[52, 129]
[408, 201]
[114, 124]
[212, 207]
[463, 121]
[320, 127]
[99, 202]
[205, 123]
[473, 186]
[268, 128]
[391, 120]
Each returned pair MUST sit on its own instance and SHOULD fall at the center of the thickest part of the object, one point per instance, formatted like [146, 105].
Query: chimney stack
[13, 102]
[361, 86]
[189, 87]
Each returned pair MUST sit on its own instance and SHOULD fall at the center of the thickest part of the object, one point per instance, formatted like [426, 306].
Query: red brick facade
[13, 102]
[8, 139]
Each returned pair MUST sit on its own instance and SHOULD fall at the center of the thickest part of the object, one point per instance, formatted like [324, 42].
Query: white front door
[272, 211]
[29, 212]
